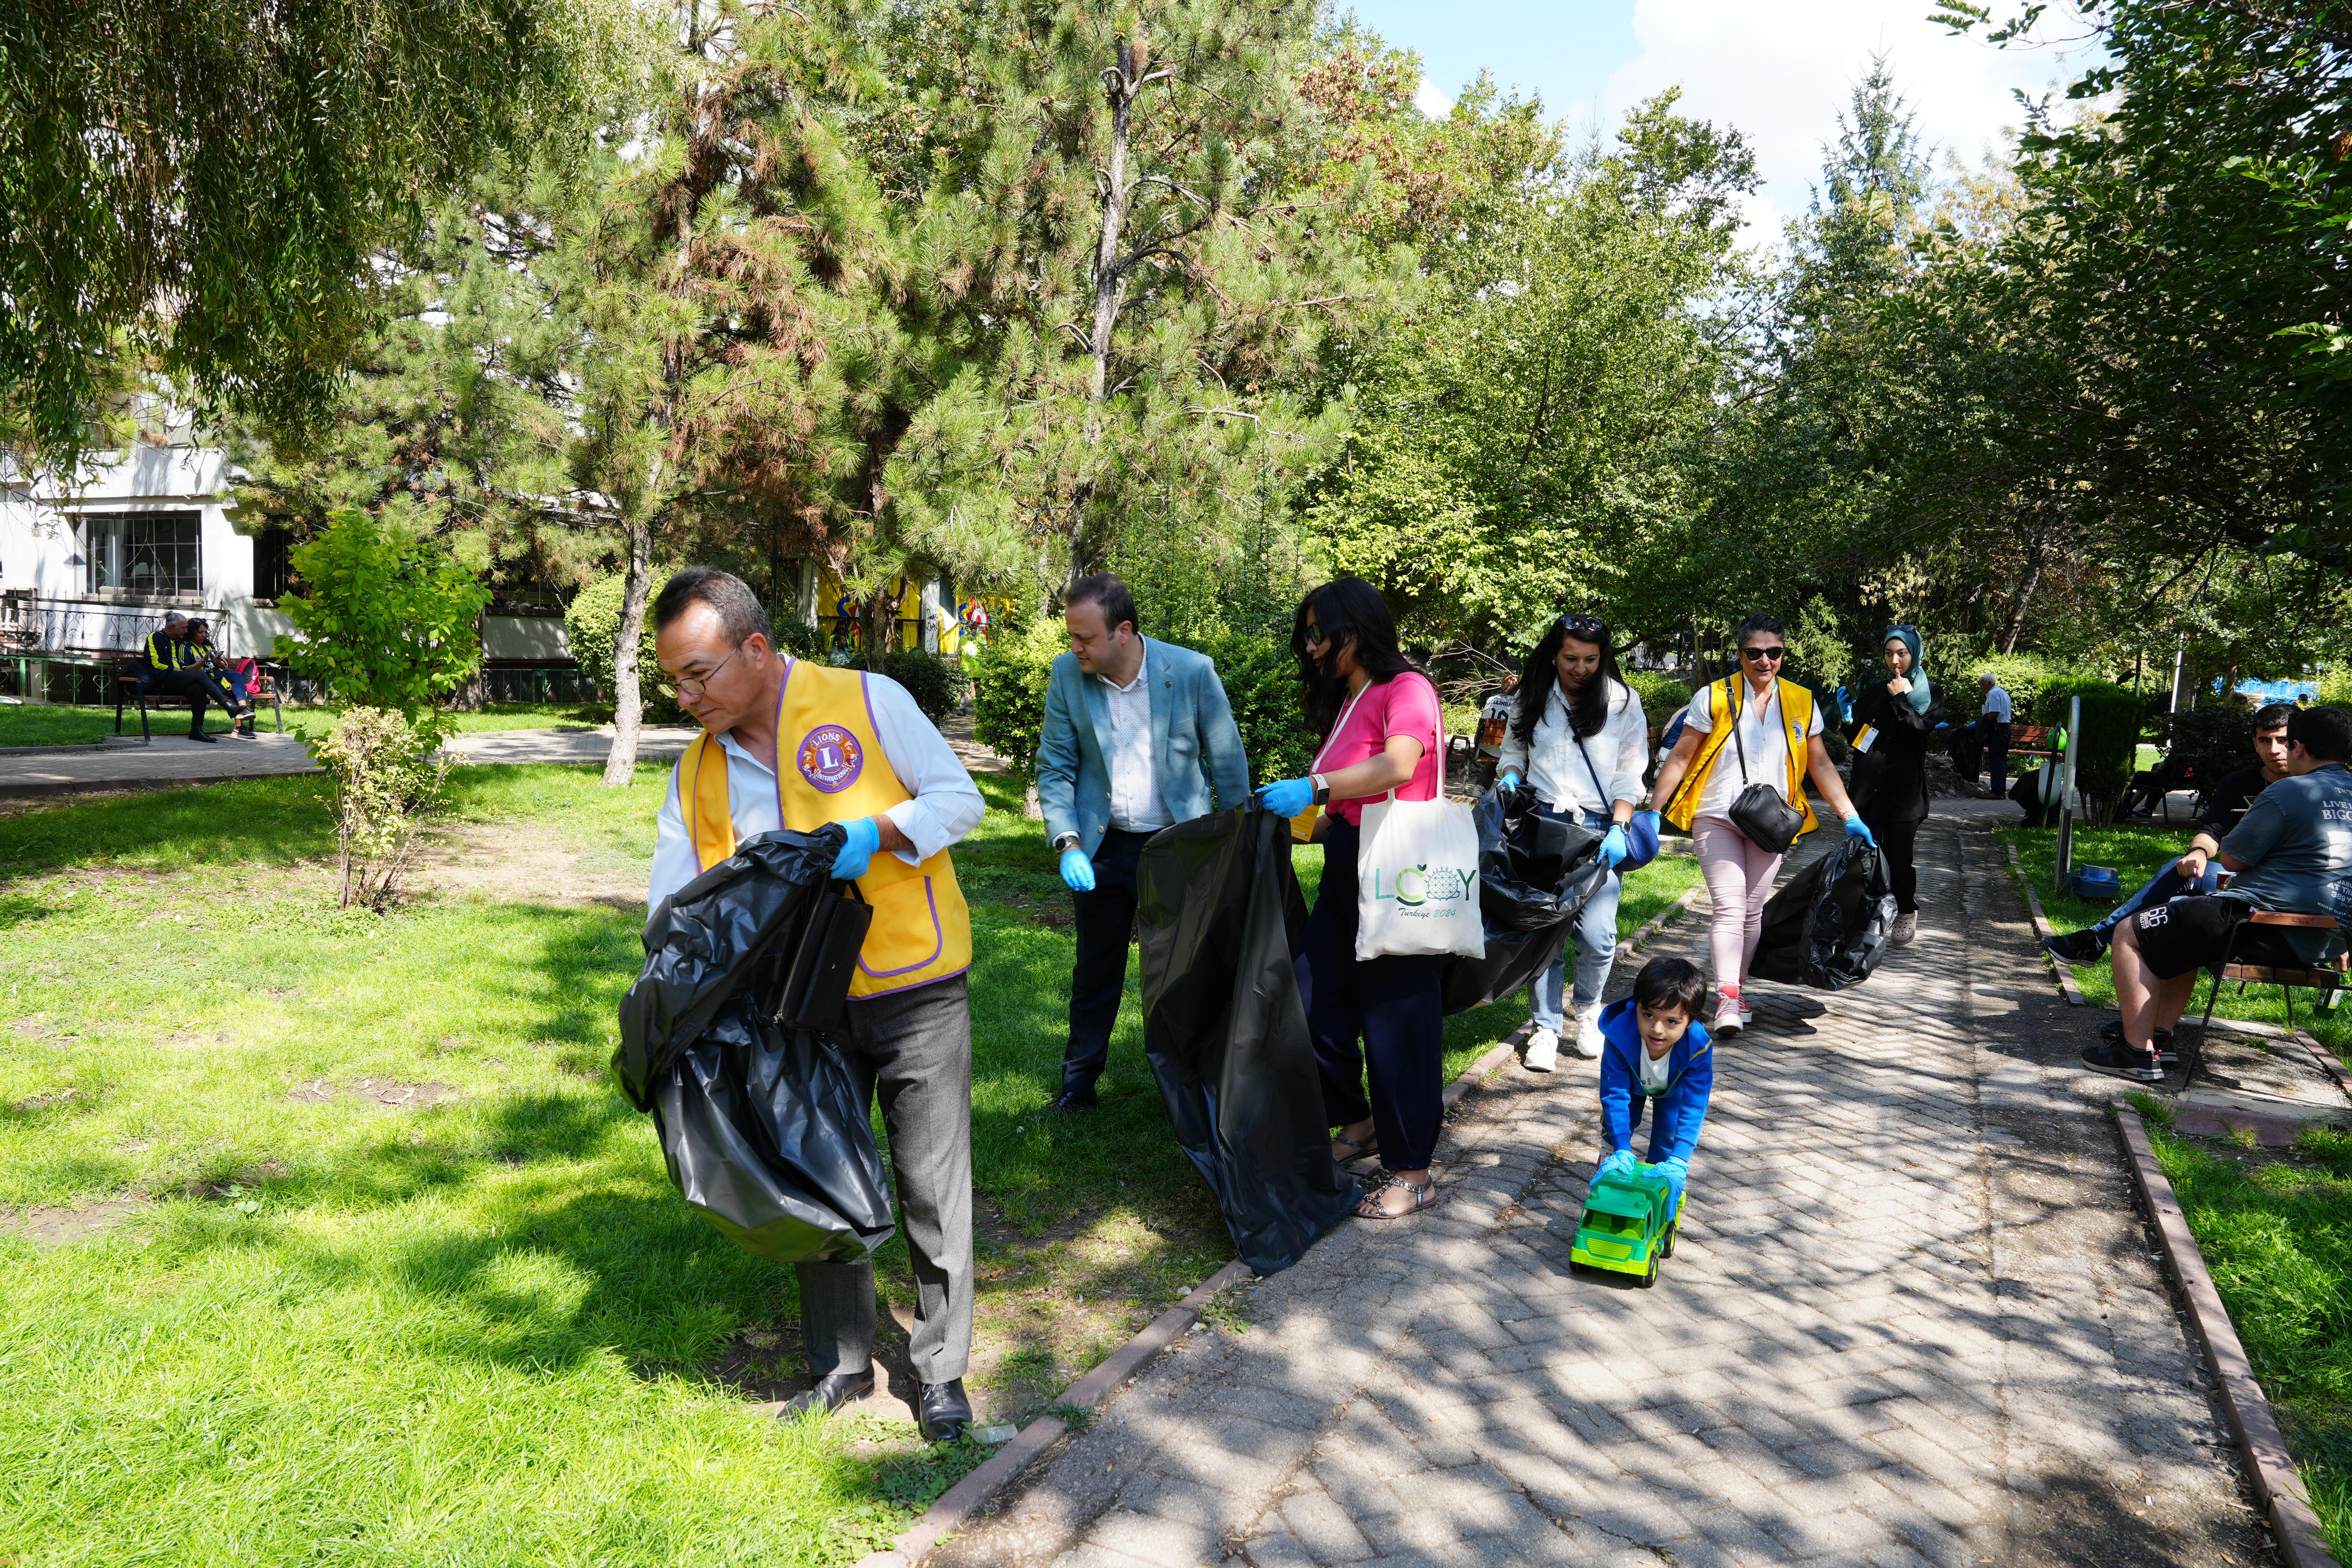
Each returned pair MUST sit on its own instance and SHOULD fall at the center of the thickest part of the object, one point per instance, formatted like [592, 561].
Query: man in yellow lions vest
[789, 744]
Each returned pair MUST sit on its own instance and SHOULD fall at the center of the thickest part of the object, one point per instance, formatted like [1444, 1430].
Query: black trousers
[1395, 1006]
[193, 684]
[1901, 842]
[1995, 751]
[1106, 919]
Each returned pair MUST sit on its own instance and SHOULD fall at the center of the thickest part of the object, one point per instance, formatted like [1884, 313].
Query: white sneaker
[1588, 1034]
[1543, 1050]
[1728, 1020]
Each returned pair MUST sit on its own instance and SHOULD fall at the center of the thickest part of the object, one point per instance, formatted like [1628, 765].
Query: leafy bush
[591, 626]
[386, 618]
[936, 685]
[388, 774]
[1008, 684]
[1662, 695]
[799, 638]
[2021, 675]
[2211, 741]
[2108, 743]
[1261, 682]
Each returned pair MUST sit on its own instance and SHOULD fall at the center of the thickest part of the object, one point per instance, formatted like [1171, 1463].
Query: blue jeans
[2166, 883]
[1595, 944]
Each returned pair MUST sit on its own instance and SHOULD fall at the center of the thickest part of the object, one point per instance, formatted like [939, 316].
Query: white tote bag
[1417, 877]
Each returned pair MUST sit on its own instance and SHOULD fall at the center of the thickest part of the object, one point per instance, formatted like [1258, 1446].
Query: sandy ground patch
[525, 863]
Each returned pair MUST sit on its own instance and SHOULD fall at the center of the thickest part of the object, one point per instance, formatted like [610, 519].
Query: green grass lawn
[33, 724]
[2275, 1228]
[2138, 853]
[477, 1326]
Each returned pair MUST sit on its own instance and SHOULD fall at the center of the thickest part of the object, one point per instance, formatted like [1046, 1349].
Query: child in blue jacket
[1653, 1049]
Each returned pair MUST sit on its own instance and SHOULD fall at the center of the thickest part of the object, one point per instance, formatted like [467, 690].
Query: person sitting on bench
[228, 685]
[173, 668]
[2292, 851]
[2193, 873]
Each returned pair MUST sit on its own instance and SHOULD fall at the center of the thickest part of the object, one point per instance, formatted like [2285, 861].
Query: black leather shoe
[1070, 1102]
[945, 1411]
[831, 1392]
[2084, 947]
[207, 736]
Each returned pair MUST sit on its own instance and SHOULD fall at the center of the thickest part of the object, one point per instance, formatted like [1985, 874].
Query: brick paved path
[1914, 1318]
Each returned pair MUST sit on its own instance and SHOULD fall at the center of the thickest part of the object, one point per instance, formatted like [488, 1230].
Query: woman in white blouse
[1578, 737]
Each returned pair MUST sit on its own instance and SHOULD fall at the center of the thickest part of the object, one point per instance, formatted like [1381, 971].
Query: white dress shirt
[1619, 750]
[946, 806]
[1764, 736]
[1137, 804]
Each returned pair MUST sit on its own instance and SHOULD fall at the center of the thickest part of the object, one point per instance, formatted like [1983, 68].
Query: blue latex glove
[865, 837]
[1855, 828]
[1077, 872]
[1621, 1162]
[1288, 797]
[1507, 781]
[1613, 847]
[1677, 1173]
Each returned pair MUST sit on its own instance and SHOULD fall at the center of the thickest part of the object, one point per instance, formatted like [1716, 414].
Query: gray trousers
[915, 1047]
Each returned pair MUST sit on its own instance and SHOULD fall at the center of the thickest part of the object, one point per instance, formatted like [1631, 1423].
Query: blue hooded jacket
[1680, 1110]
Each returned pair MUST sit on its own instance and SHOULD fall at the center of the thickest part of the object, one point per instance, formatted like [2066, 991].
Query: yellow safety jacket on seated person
[830, 768]
[1796, 718]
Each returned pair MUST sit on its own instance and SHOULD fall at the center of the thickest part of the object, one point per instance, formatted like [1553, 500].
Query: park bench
[2030, 740]
[131, 688]
[2327, 979]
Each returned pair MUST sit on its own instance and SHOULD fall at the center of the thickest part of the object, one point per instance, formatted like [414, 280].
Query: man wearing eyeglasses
[791, 745]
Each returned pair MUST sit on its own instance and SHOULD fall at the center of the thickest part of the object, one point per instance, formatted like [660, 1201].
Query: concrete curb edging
[2041, 928]
[2302, 1542]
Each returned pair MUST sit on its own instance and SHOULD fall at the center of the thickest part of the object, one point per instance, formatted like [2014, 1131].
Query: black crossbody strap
[1736, 743]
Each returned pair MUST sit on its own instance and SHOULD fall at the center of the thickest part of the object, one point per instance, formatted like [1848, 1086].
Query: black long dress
[1890, 781]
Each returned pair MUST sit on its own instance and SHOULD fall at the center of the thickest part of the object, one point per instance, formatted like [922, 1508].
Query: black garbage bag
[1828, 927]
[1534, 877]
[1534, 871]
[724, 1038]
[1220, 914]
[2037, 792]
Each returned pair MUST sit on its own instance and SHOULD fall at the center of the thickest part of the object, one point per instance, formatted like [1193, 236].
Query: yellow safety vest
[1796, 717]
[830, 770]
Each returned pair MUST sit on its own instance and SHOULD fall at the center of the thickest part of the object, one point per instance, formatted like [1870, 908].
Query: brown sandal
[1369, 1206]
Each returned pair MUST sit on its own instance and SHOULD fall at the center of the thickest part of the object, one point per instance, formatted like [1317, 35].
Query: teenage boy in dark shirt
[2292, 850]
[2193, 873]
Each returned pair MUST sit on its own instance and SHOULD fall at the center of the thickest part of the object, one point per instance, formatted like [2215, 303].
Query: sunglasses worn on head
[1584, 628]
[1761, 655]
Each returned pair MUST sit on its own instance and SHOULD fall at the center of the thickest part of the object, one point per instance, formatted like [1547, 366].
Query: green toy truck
[1626, 1228]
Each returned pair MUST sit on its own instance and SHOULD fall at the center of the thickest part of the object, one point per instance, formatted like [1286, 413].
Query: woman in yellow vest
[787, 744]
[1774, 738]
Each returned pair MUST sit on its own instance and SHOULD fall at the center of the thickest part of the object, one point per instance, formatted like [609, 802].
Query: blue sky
[1780, 70]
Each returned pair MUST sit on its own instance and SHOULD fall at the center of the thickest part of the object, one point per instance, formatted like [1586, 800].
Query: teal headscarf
[1921, 695]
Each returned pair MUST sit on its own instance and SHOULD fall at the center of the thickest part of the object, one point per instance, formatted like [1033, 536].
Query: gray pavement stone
[1913, 1320]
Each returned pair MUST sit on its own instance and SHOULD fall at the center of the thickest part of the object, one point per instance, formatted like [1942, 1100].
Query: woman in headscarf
[1894, 719]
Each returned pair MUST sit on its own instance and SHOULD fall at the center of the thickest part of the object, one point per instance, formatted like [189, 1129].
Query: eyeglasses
[1313, 637]
[695, 686]
[1762, 656]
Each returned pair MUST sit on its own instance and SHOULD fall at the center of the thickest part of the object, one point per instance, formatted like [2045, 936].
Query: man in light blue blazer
[1137, 736]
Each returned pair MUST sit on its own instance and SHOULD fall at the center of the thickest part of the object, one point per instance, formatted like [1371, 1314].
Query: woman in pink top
[1379, 718]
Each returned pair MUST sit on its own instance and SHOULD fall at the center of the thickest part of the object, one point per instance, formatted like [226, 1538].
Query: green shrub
[799, 638]
[386, 618]
[936, 685]
[388, 775]
[1008, 687]
[591, 625]
[1662, 695]
[2211, 741]
[2021, 675]
[1261, 682]
[2108, 743]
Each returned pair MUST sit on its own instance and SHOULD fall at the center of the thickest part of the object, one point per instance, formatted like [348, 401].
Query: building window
[273, 564]
[148, 553]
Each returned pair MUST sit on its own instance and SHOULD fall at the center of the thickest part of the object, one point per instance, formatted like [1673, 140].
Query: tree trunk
[1121, 85]
[2024, 602]
[621, 762]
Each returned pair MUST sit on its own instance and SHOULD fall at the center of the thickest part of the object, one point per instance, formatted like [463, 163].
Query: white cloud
[1782, 71]
[1432, 104]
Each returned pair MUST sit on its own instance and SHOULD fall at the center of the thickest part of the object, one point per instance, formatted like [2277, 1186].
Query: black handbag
[1765, 820]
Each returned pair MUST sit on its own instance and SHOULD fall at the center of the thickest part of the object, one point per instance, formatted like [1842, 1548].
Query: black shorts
[2188, 934]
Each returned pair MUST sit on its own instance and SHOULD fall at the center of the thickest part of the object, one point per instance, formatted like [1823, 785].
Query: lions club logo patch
[831, 758]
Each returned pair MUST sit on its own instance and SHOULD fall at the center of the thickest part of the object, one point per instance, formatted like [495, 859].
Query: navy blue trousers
[1395, 1006]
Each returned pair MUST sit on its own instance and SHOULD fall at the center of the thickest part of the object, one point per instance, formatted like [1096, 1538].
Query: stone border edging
[2301, 1544]
[2041, 928]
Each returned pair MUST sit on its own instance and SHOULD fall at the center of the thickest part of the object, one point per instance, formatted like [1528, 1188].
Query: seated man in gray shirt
[2292, 851]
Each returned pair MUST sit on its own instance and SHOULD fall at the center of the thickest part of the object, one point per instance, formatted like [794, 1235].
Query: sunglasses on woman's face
[1313, 636]
[1762, 656]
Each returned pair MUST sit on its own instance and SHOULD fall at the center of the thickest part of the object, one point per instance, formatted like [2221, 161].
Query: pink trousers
[1738, 881]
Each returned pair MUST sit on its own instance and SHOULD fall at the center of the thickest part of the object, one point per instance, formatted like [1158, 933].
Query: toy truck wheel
[1666, 1243]
[1651, 1278]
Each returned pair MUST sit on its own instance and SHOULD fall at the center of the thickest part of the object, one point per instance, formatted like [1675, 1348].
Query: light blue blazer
[1194, 744]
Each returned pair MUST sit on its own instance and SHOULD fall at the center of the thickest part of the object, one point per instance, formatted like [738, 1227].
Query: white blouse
[1765, 736]
[1619, 751]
